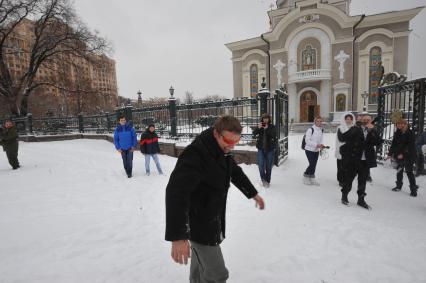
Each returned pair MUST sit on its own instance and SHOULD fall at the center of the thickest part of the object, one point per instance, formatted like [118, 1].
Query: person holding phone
[266, 139]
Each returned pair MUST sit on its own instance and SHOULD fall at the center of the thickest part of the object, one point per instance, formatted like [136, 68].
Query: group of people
[125, 141]
[356, 142]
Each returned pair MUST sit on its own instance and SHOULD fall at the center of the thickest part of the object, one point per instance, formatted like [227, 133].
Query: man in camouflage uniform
[9, 141]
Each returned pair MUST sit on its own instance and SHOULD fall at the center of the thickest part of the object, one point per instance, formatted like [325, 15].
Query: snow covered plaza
[71, 215]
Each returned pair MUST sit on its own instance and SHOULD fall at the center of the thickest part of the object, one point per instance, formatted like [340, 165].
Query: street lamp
[365, 95]
[139, 98]
[171, 91]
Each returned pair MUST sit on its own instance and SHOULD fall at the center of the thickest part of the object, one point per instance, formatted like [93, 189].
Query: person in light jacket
[347, 121]
[313, 139]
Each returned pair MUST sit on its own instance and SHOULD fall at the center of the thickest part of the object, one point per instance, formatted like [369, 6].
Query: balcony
[309, 76]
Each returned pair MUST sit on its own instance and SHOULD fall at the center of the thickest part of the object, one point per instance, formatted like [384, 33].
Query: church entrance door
[308, 107]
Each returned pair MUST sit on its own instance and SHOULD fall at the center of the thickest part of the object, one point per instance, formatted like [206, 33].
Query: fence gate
[404, 99]
[281, 124]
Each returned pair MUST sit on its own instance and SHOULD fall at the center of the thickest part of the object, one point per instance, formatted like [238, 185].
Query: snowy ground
[70, 215]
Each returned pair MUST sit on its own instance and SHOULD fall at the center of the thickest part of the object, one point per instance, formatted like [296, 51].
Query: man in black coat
[403, 150]
[9, 140]
[358, 156]
[196, 199]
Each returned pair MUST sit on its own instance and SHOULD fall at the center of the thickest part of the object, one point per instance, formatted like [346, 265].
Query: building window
[309, 58]
[340, 102]
[375, 61]
[254, 80]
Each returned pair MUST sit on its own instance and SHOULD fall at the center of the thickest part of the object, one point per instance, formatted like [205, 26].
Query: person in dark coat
[9, 140]
[358, 156]
[266, 139]
[420, 162]
[125, 142]
[403, 150]
[196, 199]
[150, 148]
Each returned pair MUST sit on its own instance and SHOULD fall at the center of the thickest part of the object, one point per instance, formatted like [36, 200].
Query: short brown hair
[228, 123]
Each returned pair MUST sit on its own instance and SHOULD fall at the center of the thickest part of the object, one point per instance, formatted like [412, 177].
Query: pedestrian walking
[196, 200]
[9, 140]
[358, 155]
[346, 122]
[150, 148]
[125, 142]
[403, 151]
[266, 139]
[313, 144]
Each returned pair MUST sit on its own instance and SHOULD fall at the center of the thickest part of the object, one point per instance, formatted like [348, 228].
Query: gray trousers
[207, 264]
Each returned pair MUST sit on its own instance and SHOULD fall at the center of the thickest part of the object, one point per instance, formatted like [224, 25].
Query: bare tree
[214, 97]
[55, 30]
[189, 97]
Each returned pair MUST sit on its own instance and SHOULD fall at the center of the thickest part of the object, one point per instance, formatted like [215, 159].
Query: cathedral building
[326, 58]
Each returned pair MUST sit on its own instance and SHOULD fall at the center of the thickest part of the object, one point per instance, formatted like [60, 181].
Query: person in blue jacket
[125, 143]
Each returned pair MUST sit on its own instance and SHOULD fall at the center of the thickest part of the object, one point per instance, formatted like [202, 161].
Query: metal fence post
[29, 123]
[108, 122]
[263, 98]
[173, 113]
[80, 123]
[128, 111]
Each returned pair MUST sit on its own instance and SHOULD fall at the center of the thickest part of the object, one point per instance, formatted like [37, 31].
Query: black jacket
[403, 143]
[356, 144]
[197, 191]
[149, 142]
[9, 139]
[271, 137]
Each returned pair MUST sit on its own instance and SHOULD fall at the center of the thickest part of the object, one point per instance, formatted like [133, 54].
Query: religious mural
[254, 80]
[340, 102]
[309, 58]
[375, 76]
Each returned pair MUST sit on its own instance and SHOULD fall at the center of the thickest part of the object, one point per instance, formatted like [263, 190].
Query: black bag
[303, 140]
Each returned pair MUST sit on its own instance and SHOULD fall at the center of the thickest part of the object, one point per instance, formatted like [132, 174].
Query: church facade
[327, 58]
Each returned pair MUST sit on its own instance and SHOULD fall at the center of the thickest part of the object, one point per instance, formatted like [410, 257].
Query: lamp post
[365, 95]
[139, 93]
[172, 112]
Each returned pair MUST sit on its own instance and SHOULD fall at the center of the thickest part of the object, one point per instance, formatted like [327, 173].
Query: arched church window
[254, 80]
[340, 102]
[375, 73]
[309, 58]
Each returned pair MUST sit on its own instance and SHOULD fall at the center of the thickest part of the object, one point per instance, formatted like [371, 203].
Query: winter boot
[345, 199]
[361, 202]
[413, 190]
[398, 187]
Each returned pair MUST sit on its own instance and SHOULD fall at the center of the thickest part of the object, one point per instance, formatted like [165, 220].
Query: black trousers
[420, 164]
[12, 157]
[351, 170]
[408, 165]
[340, 172]
[312, 159]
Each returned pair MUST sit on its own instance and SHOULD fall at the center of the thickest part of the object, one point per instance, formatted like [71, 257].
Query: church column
[325, 99]
[292, 101]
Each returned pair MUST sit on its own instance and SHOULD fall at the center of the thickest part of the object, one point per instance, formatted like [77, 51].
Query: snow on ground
[70, 215]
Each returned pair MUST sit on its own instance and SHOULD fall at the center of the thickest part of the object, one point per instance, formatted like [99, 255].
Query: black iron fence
[400, 100]
[181, 122]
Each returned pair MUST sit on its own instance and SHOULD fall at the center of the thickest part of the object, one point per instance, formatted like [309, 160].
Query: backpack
[304, 136]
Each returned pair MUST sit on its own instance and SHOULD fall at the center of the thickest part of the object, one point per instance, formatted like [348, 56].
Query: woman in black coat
[403, 150]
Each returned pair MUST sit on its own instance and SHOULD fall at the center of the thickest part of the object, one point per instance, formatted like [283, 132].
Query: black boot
[345, 199]
[398, 187]
[361, 202]
[413, 190]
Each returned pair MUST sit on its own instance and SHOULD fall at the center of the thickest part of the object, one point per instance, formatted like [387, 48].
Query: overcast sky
[159, 43]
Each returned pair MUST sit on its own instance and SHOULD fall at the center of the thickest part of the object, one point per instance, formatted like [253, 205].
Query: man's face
[122, 121]
[226, 140]
[366, 119]
[151, 129]
[265, 120]
[8, 125]
[318, 122]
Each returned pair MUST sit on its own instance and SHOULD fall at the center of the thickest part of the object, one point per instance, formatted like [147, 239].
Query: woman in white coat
[346, 122]
[313, 140]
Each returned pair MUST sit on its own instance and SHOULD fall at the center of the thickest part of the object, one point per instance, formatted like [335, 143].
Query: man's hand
[260, 126]
[320, 146]
[259, 202]
[400, 156]
[180, 251]
[370, 126]
[119, 151]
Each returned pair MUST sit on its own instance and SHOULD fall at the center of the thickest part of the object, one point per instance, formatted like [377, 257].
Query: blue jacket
[125, 137]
